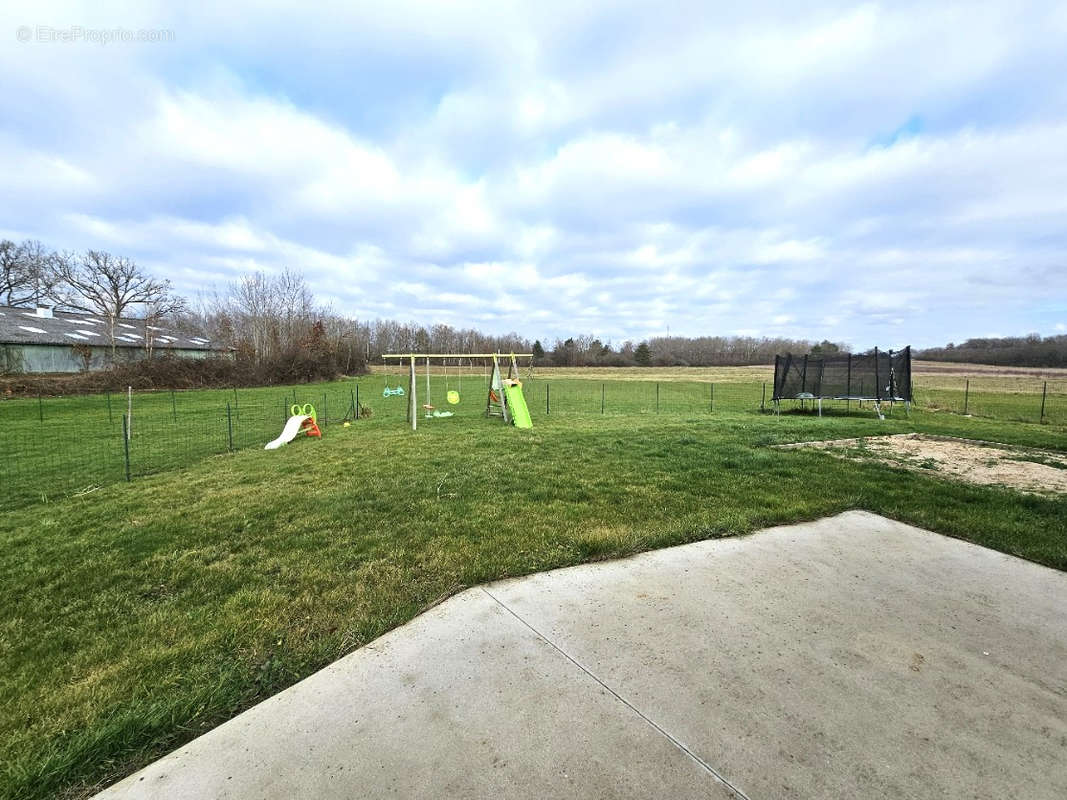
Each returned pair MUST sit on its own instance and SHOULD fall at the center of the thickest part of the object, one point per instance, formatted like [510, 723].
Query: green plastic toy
[306, 410]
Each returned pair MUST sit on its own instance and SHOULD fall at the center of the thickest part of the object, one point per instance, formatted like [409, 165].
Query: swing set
[505, 398]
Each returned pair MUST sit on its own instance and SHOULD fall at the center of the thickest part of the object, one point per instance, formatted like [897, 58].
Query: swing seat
[428, 407]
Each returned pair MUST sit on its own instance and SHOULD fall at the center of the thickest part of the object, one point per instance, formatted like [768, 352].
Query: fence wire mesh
[53, 447]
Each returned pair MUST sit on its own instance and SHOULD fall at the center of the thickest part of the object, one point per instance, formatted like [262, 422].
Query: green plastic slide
[520, 414]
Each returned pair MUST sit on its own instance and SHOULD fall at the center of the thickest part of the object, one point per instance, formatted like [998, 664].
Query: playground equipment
[505, 395]
[516, 402]
[303, 418]
[393, 392]
[505, 398]
[452, 395]
[877, 376]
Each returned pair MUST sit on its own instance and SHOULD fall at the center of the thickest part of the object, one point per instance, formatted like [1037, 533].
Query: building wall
[17, 359]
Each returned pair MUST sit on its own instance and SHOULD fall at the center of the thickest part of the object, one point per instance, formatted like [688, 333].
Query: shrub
[309, 361]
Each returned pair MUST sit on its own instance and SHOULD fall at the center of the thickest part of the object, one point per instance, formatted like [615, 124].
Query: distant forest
[1009, 351]
[674, 351]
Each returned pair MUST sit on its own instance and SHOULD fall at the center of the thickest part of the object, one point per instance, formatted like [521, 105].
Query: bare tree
[12, 280]
[255, 310]
[101, 283]
[25, 272]
[166, 306]
[263, 314]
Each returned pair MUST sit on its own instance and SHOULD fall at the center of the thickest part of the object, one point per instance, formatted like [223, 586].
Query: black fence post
[966, 394]
[236, 408]
[548, 402]
[126, 446]
[763, 400]
[877, 383]
[848, 388]
[602, 399]
[713, 398]
[777, 361]
[657, 397]
[173, 406]
[110, 419]
[325, 416]
[1044, 394]
[285, 409]
[229, 427]
[40, 407]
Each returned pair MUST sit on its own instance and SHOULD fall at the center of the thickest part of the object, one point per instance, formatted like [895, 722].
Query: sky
[875, 174]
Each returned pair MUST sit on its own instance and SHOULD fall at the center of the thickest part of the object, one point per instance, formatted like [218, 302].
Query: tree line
[675, 351]
[275, 318]
[1016, 351]
[264, 316]
[271, 321]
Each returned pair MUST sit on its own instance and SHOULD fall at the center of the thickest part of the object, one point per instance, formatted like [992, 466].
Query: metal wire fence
[56, 447]
[1031, 400]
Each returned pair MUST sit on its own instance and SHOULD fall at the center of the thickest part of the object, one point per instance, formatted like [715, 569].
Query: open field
[753, 374]
[934, 374]
[139, 615]
[962, 369]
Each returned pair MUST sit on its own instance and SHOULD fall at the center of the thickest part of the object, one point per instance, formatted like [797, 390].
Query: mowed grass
[143, 614]
[59, 446]
[56, 447]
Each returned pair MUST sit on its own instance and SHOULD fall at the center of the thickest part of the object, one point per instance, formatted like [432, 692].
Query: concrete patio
[845, 658]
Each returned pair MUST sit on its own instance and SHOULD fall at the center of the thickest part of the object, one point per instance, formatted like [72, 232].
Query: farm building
[43, 340]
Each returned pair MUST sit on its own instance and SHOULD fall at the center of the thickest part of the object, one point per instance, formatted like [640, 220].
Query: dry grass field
[929, 374]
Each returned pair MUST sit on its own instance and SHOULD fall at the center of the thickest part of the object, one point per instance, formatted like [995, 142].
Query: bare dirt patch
[985, 463]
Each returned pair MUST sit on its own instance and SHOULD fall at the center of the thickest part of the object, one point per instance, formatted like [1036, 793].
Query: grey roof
[25, 326]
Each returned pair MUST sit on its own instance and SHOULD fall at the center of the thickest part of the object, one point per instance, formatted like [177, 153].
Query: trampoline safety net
[877, 375]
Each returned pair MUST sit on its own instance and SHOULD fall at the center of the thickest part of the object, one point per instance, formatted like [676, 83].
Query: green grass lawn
[140, 615]
[58, 446]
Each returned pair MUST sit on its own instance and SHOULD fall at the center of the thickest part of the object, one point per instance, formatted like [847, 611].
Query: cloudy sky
[876, 174]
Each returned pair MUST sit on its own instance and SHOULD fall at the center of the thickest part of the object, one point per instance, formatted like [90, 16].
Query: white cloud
[608, 165]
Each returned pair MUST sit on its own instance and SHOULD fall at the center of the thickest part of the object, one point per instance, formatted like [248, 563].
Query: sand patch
[985, 463]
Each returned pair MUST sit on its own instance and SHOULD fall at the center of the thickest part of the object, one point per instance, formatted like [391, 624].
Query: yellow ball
[348, 424]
